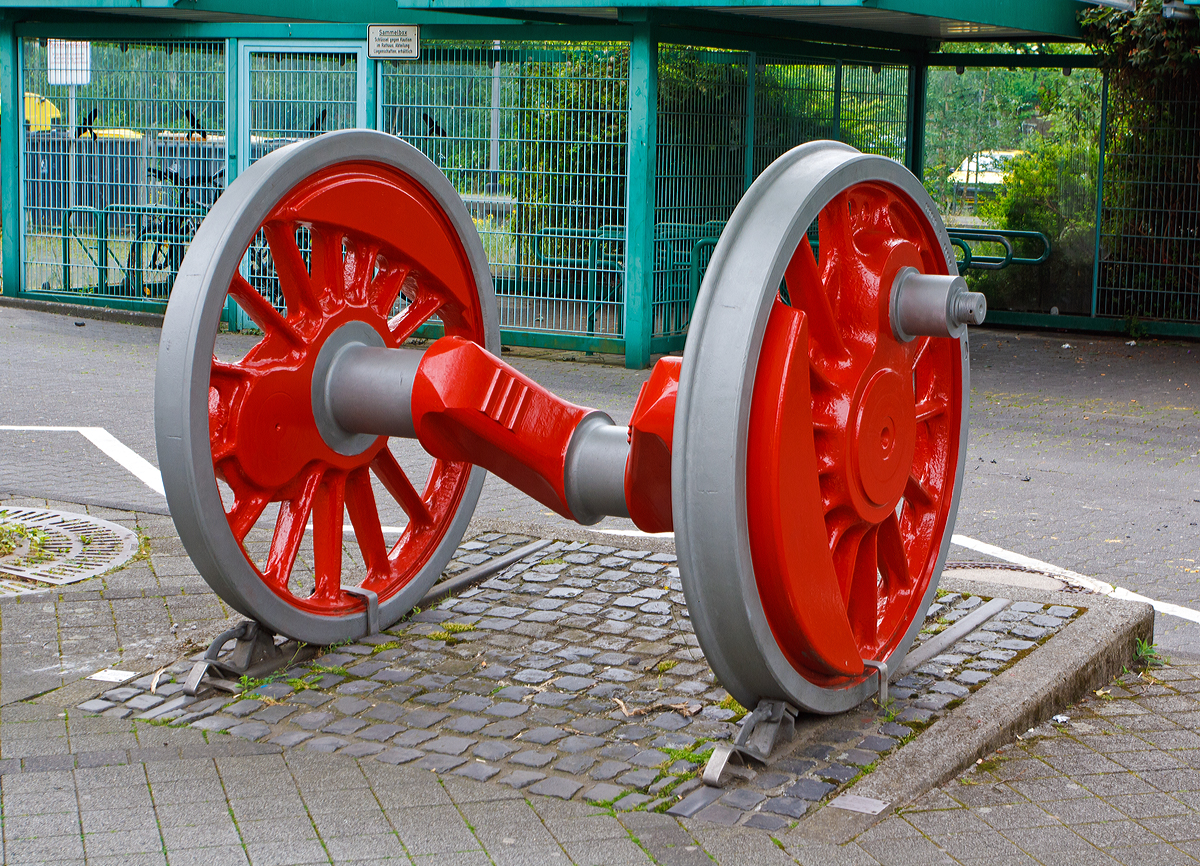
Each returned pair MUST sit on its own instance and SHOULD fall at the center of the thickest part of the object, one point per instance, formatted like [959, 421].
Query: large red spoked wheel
[367, 241]
[842, 441]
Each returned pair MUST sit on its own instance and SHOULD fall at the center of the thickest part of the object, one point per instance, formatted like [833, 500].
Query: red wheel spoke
[289, 530]
[364, 516]
[385, 289]
[388, 470]
[845, 555]
[361, 257]
[328, 265]
[806, 291]
[415, 315]
[294, 279]
[898, 578]
[917, 493]
[863, 605]
[329, 508]
[918, 348]
[893, 559]
[225, 386]
[260, 310]
[246, 511]
[931, 408]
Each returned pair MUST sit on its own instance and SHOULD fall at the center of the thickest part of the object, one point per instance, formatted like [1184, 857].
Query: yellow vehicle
[40, 113]
[981, 173]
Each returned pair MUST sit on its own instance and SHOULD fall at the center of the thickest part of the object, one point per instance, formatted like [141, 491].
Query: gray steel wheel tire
[185, 361]
[709, 468]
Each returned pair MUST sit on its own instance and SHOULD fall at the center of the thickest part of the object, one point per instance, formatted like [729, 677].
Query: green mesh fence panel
[293, 95]
[533, 136]
[1150, 224]
[296, 95]
[700, 170]
[794, 101]
[874, 109]
[113, 194]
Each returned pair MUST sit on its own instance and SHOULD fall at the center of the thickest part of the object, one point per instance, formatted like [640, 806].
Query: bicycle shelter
[599, 146]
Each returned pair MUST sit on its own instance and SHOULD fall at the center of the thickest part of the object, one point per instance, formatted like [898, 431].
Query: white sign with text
[393, 41]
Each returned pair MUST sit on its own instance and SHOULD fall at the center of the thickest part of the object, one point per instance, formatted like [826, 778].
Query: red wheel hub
[378, 240]
[853, 442]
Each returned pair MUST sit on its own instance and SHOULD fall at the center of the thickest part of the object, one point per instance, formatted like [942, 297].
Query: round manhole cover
[39, 546]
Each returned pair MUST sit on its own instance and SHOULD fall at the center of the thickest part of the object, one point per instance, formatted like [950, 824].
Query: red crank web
[862, 430]
[377, 237]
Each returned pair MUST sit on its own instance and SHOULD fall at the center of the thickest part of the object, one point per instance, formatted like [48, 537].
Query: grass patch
[730, 704]
[450, 631]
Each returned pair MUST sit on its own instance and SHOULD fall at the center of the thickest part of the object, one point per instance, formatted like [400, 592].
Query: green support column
[1100, 194]
[914, 151]
[372, 74]
[231, 110]
[10, 156]
[639, 241]
[233, 315]
[751, 81]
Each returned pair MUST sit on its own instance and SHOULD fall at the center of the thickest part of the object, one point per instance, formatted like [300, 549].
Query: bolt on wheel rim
[362, 240]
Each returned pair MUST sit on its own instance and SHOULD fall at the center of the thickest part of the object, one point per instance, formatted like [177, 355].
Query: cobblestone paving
[575, 674]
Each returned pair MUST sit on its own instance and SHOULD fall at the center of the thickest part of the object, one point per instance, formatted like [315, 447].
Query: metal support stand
[255, 654]
[771, 722]
[881, 668]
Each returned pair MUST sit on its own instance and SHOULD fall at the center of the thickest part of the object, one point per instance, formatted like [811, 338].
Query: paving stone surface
[589, 725]
[616, 693]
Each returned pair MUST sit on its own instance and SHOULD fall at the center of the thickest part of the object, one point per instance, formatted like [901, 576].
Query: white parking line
[1076, 578]
[1072, 577]
[129, 459]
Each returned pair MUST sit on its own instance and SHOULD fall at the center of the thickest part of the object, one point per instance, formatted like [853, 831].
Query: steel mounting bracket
[255, 654]
[770, 722]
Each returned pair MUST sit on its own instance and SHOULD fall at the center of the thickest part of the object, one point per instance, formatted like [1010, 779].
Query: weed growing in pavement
[330, 669]
[384, 647]
[1146, 654]
[666, 665]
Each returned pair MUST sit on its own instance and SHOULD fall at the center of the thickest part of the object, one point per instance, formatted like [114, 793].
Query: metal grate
[119, 171]
[1150, 225]
[534, 140]
[874, 109]
[58, 547]
[794, 102]
[701, 170]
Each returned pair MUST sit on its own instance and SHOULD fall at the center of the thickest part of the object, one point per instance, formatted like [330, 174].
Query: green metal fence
[1149, 242]
[120, 167]
[700, 170]
[533, 136]
[723, 117]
